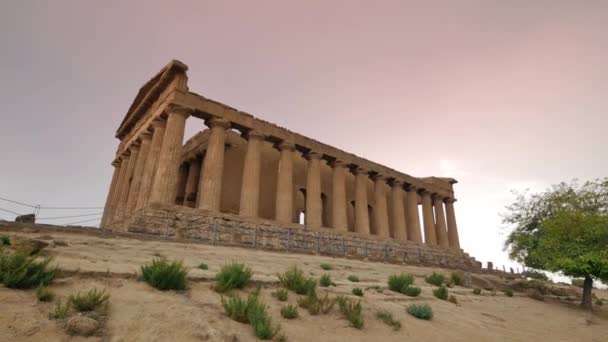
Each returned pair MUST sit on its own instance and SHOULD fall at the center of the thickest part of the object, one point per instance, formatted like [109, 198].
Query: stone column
[451, 219]
[147, 178]
[124, 195]
[210, 184]
[194, 173]
[164, 188]
[250, 188]
[120, 186]
[411, 215]
[381, 207]
[398, 214]
[440, 226]
[427, 213]
[180, 197]
[111, 195]
[361, 203]
[146, 139]
[338, 214]
[314, 207]
[284, 198]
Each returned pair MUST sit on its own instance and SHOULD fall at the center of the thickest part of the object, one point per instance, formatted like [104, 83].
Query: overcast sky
[500, 95]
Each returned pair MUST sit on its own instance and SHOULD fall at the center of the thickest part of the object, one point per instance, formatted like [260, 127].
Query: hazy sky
[500, 95]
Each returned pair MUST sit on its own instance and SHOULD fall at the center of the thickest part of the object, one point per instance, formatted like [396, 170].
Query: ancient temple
[241, 171]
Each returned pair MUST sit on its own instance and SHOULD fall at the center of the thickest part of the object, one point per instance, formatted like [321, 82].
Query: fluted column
[411, 215]
[120, 186]
[250, 188]
[427, 213]
[440, 226]
[147, 178]
[381, 207]
[182, 177]
[146, 139]
[194, 173]
[338, 213]
[361, 202]
[210, 185]
[397, 212]
[111, 194]
[164, 188]
[451, 220]
[284, 198]
[314, 207]
[124, 195]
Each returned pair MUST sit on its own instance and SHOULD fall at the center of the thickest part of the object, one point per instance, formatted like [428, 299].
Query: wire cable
[59, 208]
[61, 217]
[12, 212]
[95, 219]
[27, 205]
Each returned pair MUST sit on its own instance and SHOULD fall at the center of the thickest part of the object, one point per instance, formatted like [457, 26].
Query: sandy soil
[139, 312]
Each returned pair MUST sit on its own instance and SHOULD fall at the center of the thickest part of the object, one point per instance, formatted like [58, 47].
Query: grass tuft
[387, 317]
[280, 294]
[477, 291]
[231, 276]
[400, 282]
[44, 294]
[353, 278]
[289, 311]
[18, 271]
[252, 311]
[421, 311]
[508, 293]
[441, 293]
[60, 311]
[203, 266]
[295, 280]
[352, 311]
[435, 278]
[413, 291]
[316, 305]
[165, 275]
[456, 279]
[325, 280]
[89, 301]
[358, 292]
[326, 267]
[5, 240]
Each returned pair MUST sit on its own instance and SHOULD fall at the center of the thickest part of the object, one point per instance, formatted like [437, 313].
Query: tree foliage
[563, 229]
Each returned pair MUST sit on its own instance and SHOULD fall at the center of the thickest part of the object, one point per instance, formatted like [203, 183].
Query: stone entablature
[153, 167]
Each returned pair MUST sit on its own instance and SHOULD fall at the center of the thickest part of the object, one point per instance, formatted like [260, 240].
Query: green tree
[563, 229]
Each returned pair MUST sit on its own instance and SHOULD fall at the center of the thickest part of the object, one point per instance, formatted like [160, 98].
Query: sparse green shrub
[378, 289]
[237, 308]
[441, 293]
[352, 311]
[400, 282]
[252, 311]
[89, 301]
[453, 299]
[165, 275]
[203, 266]
[60, 310]
[295, 280]
[5, 240]
[44, 294]
[289, 311]
[18, 271]
[353, 278]
[387, 317]
[508, 293]
[412, 291]
[358, 292]
[599, 302]
[578, 282]
[456, 279]
[477, 291]
[534, 274]
[325, 280]
[326, 267]
[316, 305]
[524, 285]
[232, 276]
[280, 294]
[421, 311]
[535, 294]
[435, 279]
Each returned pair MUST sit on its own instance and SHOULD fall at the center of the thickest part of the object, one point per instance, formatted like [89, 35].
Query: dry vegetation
[244, 295]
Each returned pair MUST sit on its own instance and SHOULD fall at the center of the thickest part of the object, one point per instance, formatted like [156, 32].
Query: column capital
[217, 122]
[253, 134]
[411, 187]
[423, 192]
[135, 146]
[379, 178]
[158, 123]
[313, 155]
[145, 135]
[449, 200]
[179, 110]
[338, 163]
[286, 145]
[357, 170]
[116, 162]
[436, 197]
[396, 183]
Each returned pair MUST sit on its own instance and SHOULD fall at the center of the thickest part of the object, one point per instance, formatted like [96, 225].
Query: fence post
[366, 249]
[214, 232]
[385, 252]
[288, 238]
[255, 238]
[318, 244]
[343, 247]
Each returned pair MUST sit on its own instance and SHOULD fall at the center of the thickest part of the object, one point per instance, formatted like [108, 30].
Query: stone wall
[227, 229]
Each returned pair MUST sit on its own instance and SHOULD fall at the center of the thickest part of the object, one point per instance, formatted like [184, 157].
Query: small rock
[60, 243]
[27, 246]
[28, 218]
[81, 325]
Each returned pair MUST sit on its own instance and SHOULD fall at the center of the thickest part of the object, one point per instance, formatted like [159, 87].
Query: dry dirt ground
[138, 312]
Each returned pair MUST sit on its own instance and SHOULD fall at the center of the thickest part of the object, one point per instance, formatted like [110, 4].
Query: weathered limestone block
[28, 218]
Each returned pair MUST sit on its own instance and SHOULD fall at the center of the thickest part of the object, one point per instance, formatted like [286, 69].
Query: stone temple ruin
[246, 182]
